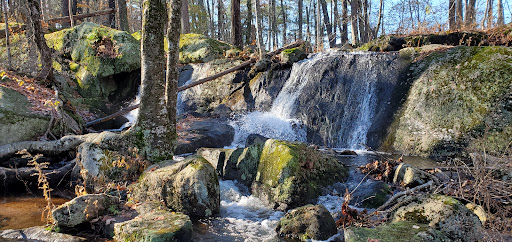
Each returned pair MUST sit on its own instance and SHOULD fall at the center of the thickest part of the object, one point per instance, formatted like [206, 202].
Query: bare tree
[470, 13]
[459, 19]
[185, 18]
[65, 11]
[220, 20]
[122, 15]
[7, 39]
[257, 11]
[354, 13]
[171, 78]
[236, 24]
[112, 16]
[328, 26]
[248, 22]
[46, 54]
[501, 19]
[344, 19]
[451, 14]
[301, 2]
[283, 12]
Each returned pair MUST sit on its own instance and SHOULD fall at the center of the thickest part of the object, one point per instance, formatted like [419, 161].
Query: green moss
[453, 93]
[199, 48]
[399, 231]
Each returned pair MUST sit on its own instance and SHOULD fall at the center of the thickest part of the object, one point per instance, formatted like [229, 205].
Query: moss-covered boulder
[403, 231]
[99, 166]
[290, 174]
[384, 43]
[156, 225]
[82, 209]
[196, 48]
[290, 56]
[234, 164]
[458, 100]
[17, 122]
[444, 213]
[91, 55]
[190, 187]
[308, 222]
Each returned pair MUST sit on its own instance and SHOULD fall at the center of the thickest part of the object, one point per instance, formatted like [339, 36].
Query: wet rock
[211, 133]
[234, 164]
[98, 60]
[155, 225]
[290, 174]
[82, 209]
[410, 176]
[306, 223]
[17, 123]
[190, 187]
[290, 56]
[347, 152]
[262, 65]
[400, 231]
[38, 233]
[265, 87]
[378, 195]
[206, 97]
[445, 214]
[255, 139]
[196, 48]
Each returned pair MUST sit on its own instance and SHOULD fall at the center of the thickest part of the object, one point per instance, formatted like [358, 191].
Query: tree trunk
[451, 14]
[335, 21]
[301, 2]
[283, 12]
[273, 23]
[354, 9]
[490, 16]
[46, 54]
[459, 17]
[375, 32]
[112, 16]
[366, 21]
[344, 19]
[259, 37]
[65, 12]
[220, 19]
[318, 33]
[308, 23]
[70, 9]
[501, 19]
[171, 79]
[7, 40]
[328, 26]
[470, 13]
[236, 24]
[153, 130]
[185, 18]
[122, 15]
[211, 28]
[248, 23]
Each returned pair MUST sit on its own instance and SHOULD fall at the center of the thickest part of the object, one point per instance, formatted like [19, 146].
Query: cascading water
[329, 99]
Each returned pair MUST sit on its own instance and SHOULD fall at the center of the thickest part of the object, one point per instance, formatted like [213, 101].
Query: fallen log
[198, 82]
[80, 16]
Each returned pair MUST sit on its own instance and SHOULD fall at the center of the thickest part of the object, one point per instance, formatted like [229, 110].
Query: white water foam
[243, 217]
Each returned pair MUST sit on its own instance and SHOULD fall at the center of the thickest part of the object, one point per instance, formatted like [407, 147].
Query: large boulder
[410, 176]
[98, 60]
[190, 187]
[234, 164]
[38, 233]
[290, 174]
[196, 48]
[211, 133]
[99, 166]
[82, 209]
[444, 213]
[17, 122]
[403, 231]
[155, 225]
[458, 101]
[290, 56]
[307, 223]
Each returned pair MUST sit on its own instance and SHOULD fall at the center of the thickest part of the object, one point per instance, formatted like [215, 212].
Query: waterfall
[332, 94]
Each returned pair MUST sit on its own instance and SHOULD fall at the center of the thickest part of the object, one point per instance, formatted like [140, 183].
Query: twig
[406, 192]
